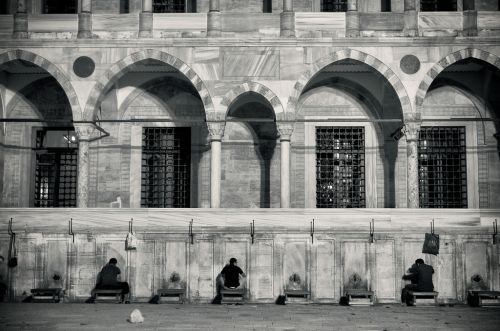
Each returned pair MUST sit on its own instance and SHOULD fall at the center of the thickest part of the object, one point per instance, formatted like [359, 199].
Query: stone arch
[367, 59]
[123, 66]
[446, 62]
[53, 70]
[258, 88]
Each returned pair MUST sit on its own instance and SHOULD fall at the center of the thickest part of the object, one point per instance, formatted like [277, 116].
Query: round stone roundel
[410, 64]
[83, 66]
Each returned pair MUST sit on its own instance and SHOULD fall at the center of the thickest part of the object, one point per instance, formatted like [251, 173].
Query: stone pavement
[73, 316]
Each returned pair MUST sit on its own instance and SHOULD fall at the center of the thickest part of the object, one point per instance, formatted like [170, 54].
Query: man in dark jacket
[231, 274]
[420, 275]
[109, 278]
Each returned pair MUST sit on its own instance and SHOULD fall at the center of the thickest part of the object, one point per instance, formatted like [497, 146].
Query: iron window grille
[166, 163]
[169, 6]
[438, 5]
[334, 5]
[442, 167]
[56, 170]
[60, 7]
[340, 167]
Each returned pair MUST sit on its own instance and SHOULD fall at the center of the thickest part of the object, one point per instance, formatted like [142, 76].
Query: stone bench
[107, 295]
[482, 298]
[46, 294]
[232, 295]
[302, 294]
[177, 293]
[360, 297]
[415, 298]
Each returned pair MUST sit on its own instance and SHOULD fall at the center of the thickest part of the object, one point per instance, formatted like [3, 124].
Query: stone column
[84, 132]
[412, 128]
[411, 19]
[85, 19]
[287, 20]
[285, 130]
[352, 19]
[216, 130]
[469, 19]
[146, 19]
[20, 21]
[214, 23]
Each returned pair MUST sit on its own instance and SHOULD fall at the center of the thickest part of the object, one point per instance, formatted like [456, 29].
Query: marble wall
[336, 257]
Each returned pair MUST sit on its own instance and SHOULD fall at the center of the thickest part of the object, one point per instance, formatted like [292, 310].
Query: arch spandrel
[377, 65]
[125, 65]
[53, 70]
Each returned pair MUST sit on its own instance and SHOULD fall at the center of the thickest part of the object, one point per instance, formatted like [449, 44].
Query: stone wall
[282, 246]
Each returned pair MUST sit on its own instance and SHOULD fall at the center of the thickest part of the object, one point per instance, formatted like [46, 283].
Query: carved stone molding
[216, 130]
[84, 131]
[411, 131]
[285, 130]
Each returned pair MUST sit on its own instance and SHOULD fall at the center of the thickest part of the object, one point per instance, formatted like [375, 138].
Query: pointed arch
[365, 58]
[258, 88]
[53, 70]
[125, 65]
[448, 61]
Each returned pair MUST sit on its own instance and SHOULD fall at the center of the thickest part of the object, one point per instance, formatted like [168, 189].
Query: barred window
[334, 5]
[56, 168]
[166, 162]
[438, 5]
[174, 6]
[442, 167]
[60, 7]
[340, 167]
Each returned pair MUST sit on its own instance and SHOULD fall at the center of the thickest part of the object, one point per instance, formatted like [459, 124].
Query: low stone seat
[232, 295]
[46, 294]
[176, 293]
[483, 298]
[107, 295]
[360, 297]
[415, 298]
[298, 295]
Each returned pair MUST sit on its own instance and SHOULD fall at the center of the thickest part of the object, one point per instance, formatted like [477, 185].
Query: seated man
[231, 274]
[109, 279]
[420, 275]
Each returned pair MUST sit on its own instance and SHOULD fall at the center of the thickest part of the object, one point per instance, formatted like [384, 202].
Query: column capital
[84, 130]
[285, 130]
[411, 130]
[216, 130]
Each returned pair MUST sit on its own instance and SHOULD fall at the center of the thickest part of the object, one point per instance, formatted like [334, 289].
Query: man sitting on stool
[420, 275]
[109, 279]
[231, 275]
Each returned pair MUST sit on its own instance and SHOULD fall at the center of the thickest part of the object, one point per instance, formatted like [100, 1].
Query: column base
[410, 23]
[145, 25]
[469, 28]
[287, 24]
[84, 26]
[20, 26]
[352, 24]
[214, 24]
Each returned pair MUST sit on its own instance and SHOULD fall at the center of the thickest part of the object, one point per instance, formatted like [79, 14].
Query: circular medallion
[410, 64]
[83, 66]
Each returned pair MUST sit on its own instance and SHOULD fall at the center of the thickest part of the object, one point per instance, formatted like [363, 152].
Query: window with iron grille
[56, 169]
[340, 167]
[60, 7]
[442, 167]
[174, 6]
[438, 5]
[166, 163]
[334, 5]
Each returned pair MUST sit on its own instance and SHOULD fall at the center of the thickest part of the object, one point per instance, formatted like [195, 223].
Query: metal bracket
[432, 226]
[372, 230]
[191, 234]
[70, 229]
[495, 231]
[312, 231]
[252, 230]
[9, 228]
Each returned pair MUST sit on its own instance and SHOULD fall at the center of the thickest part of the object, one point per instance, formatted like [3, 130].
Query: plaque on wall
[83, 66]
[410, 64]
